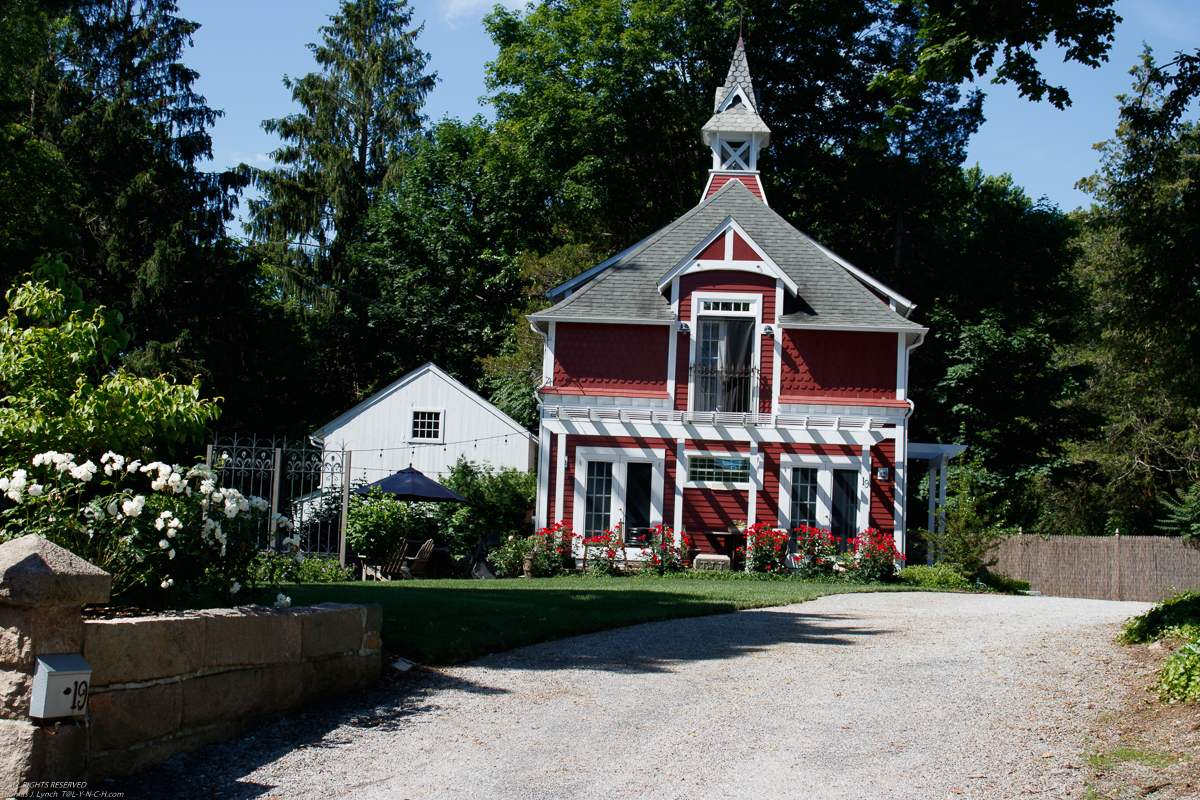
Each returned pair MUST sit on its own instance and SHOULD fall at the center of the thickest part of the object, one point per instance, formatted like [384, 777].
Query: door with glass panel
[844, 506]
[620, 492]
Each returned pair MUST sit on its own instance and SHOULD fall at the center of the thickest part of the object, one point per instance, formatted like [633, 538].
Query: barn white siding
[378, 431]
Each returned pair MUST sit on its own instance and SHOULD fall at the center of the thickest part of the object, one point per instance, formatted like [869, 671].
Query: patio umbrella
[410, 484]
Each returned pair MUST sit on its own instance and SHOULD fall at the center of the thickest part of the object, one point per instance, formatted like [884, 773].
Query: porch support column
[756, 479]
[560, 477]
[933, 487]
[542, 511]
[680, 477]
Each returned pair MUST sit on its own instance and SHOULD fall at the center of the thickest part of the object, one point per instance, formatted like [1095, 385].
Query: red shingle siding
[838, 364]
[749, 181]
[883, 493]
[611, 359]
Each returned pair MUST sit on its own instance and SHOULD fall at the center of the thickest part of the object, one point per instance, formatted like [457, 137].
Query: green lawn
[450, 621]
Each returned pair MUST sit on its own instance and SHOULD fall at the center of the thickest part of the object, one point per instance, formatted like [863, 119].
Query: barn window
[426, 426]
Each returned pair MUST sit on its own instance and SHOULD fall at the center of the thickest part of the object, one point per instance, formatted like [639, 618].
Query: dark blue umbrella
[410, 484]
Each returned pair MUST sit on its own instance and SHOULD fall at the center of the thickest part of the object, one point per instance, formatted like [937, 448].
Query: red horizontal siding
[837, 364]
[595, 358]
[883, 493]
[749, 181]
[712, 511]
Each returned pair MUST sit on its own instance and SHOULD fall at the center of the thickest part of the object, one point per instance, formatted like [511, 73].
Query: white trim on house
[813, 326]
[542, 507]
[777, 350]
[598, 320]
[560, 475]
[673, 344]
[764, 266]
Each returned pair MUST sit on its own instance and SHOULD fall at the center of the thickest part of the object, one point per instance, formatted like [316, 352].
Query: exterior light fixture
[684, 328]
[768, 331]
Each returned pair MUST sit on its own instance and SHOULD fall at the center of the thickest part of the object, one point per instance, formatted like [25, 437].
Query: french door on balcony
[618, 487]
[724, 367]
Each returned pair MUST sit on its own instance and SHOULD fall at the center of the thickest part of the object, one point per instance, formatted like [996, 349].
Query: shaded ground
[1144, 747]
[857, 696]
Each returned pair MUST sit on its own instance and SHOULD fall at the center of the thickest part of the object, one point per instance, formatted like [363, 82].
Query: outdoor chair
[414, 566]
[392, 566]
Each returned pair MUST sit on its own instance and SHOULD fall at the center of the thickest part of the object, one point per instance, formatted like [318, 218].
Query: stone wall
[160, 685]
[165, 685]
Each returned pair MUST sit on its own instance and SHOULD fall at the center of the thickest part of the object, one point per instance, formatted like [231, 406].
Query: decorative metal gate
[306, 484]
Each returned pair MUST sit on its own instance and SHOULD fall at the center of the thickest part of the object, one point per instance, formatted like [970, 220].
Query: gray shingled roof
[829, 296]
[742, 118]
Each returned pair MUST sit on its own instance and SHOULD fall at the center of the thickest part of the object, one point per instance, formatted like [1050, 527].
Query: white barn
[426, 419]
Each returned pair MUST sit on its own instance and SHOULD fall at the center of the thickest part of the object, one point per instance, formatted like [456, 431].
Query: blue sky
[243, 49]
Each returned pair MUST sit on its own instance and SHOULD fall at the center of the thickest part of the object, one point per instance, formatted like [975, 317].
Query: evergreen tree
[347, 143]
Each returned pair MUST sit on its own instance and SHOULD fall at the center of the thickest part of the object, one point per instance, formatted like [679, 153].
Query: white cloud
[470, 10]
[260, 158]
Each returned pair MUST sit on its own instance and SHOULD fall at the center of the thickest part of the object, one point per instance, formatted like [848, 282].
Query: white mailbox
[60, 687]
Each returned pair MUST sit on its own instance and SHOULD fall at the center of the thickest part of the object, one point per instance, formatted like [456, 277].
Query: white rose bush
[156, 527]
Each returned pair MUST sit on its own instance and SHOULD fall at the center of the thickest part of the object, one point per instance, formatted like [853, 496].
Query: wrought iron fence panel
[728, 389]
[300, 481]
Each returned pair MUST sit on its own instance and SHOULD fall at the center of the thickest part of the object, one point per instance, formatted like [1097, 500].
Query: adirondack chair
[391, 567]
[414, 566]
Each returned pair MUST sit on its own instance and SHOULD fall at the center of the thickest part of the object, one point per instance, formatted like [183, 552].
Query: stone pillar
[42, 589]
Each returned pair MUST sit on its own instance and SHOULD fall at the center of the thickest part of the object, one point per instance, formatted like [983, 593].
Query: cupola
[736, 133]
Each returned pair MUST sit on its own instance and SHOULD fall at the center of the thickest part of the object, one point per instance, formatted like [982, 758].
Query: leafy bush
[661, 552]
[498, 505]
[509, 558]
[378, 523]
[548, 551]
[1180, 676]
[766, 548]
[816, 551]
[874, 556]
[1000, 582]
[604, 553]
[1183, 517]
[970, 535]
[1178, 616]
[271, 568]
[156, 528]
[939, 576]
[58, 388]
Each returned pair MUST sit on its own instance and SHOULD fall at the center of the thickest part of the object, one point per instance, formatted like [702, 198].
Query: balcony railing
[724, 389]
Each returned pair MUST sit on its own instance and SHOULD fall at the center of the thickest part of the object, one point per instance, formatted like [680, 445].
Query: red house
[726, 370]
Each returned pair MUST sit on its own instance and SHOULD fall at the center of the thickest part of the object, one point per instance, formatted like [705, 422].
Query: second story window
[724, 369]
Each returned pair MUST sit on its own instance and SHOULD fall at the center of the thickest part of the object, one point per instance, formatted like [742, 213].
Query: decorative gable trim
[762, 265]
[737, 91]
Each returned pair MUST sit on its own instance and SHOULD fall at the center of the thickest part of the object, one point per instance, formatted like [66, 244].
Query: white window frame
[688, 483]
[825, 466]
[621, 458]
[408, 431]
[755, 313]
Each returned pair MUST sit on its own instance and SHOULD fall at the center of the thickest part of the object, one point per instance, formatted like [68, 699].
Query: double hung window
[426, 425]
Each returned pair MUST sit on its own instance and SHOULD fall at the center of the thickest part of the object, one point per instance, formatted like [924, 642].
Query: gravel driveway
[852, 696]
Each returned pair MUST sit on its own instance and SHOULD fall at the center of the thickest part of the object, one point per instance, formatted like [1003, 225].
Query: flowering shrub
[766, 548]
[605, 552]
[510, 557]
[663, 554]
[553, 549]
[154, 527]
[816, 552]
[874, 556]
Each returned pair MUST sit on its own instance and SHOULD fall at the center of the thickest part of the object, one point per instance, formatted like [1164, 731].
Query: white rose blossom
[35, 490]
[237, 587]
